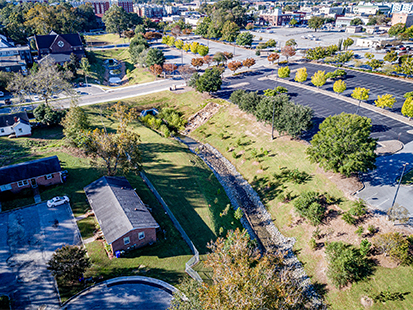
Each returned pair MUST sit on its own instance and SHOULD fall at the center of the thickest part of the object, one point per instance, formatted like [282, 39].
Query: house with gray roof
[123, 218]
[44, 172]
[15, 125]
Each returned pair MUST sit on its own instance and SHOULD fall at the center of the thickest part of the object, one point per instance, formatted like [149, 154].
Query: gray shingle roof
[117, 207]
[29, 169]
[8, 119]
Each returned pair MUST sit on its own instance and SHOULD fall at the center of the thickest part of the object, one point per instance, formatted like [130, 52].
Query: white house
[372, 41]
[16, 124]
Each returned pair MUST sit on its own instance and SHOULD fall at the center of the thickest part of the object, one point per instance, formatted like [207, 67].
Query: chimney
[15, 119]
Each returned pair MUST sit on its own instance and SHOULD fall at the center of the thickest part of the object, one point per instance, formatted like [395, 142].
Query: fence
[194, 259]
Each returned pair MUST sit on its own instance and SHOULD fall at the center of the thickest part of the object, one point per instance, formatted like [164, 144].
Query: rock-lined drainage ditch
[256, 220]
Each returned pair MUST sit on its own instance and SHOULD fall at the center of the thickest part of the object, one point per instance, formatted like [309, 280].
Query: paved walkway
[381, 183]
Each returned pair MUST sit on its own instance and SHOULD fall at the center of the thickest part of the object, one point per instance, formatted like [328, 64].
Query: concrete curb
[375, 109]
[120, 280]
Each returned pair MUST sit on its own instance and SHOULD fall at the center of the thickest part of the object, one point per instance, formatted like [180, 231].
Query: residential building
[59, 46]
[372, 9]
[402, 8]
[15, 125]
[150, 10]
[278, 18]
[43, 172]
[372, 42]
[332, 10]
[124, 219]
[15, 58]
[127, 5]
[403, 18]
[99, 6]
[354, 29]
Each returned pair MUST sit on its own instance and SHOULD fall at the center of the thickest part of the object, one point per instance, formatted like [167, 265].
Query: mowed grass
[106, 39]
[232, 133]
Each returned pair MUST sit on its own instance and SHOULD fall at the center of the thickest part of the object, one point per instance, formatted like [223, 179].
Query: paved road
[384, 128]
[122, 296]
[28, 237]
[381, 183]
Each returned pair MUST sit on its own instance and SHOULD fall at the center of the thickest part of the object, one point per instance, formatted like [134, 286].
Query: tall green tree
[230, 31]
[202, 27]
[69, 263]
[154, 57]
[339, 86]
[343, 144]
[319, 78]
[315, 22]
[361, 94]
[116, 20]
[75, 122]
[85, 67]
[347, 43]
[245, 38]
[396, 29]
[209, 82]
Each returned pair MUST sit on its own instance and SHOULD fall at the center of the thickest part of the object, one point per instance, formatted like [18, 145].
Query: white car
[57, 201]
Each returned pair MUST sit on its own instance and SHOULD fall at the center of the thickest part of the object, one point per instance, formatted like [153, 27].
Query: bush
[46, 115]
[359, 231]
[313, 244]
[348, 218]
[365, 246]
[359, 208]
[346, 264]
[394, 244]
[308, 206]
[371, 229]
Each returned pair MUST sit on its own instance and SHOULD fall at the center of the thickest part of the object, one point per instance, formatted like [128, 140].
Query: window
[22, 183]
[20, 130]
[126, 240]
[141, 235]
[49, 176]
[2, 130]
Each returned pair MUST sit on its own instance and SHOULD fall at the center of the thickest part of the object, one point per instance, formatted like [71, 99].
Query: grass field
[245, 144]
[105, 39]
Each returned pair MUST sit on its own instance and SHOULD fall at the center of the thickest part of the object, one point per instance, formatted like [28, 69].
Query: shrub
[371, 229]
[365, 246]
[395, 245]
[313, 244]
[308, 206]
[348, 218]
[359, 231]
[359, 208]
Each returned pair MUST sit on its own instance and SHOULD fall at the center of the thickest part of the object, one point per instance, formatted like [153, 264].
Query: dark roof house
[44, 171]
[122, 216]
[59, 46]
[15, 125]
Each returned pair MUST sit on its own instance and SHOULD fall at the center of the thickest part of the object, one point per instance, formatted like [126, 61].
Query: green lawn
[408, 178]
[105, 39]
[236, 137]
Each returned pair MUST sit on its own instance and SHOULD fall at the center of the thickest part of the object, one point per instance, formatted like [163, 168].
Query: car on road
[57, 201]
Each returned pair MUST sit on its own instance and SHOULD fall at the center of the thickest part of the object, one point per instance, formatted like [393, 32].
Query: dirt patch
[201, 117]
[184, 89]
[347, 185]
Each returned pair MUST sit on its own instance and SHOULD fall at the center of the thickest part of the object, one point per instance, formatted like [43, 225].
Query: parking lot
[28, 237]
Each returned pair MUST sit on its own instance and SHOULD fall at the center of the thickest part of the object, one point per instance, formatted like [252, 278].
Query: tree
[315, 22]
[219, 57]
[176, 31]
[397, 29]
[293, 22]
[208, 60]
[375, 63]
[271, 43]
[186, 47]
[385, 101]
[339, 86]
[347, 43]
[202, 27]
[294, 119]
[407, 108]
[179, 44]
[116, 19]
[284, 72]
[249, 26]
[242, 278]
[169, 68]
[170, 41]
[230, 31]
[48, 116]
[115, 150]
[301, 75]
[194, 47]
[154, 57]
[210, 81]
[273, 57]
[343, 144]
[75, 121]
[234, 65]
[129, 34]
[288, 51]
[356, 22]
[395, 245]
[249, 62]
[85, 67]
[290, 42]
[197, 62]
[391, 56]
[361, 94]
[245, 38]
[69, 263]
[186, 72]
[156, 69]
[319, 78]
[203, 50]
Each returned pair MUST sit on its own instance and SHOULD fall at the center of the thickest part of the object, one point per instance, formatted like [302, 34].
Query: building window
[49, 176]
[22, 183]
[2, 130]
[141, 235]
[126, 240]
[20, 130]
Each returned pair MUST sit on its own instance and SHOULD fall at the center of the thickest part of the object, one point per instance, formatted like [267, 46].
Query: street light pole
[398, 186]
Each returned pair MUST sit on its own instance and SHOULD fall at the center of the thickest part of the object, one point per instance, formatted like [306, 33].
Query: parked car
[57, 201]
[7, 101]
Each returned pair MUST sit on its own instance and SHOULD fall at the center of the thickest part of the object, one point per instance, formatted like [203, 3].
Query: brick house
[43, 172]
[59, 46]
[125, 221]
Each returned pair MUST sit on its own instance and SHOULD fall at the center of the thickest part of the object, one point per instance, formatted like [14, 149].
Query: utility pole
[398, 186]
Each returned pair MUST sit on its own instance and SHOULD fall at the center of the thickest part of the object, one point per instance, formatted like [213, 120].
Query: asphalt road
[384, 128]
[378, 85]
[28, 238]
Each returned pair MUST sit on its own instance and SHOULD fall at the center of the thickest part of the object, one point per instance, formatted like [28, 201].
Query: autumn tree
[169, 68]
[242, 278]
[319, 78]
[114, 150]
[203, 50]
[249, 62]
[361, 94]
[407, 108]
[288, 51]
[339, 86]
[156, 69]
[186, 72]
[343, 144]
[234, 65]
[347, 43]
[69, 263]
[301, 75]
[179, 44]
[284, 72]
[197, 62]
[385, 101]
[273, 57]
[194, 47]
[208, 60]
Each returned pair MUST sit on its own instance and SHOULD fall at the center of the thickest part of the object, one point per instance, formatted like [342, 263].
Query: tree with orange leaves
[197, 62]
[249, 62]
[234, 65]
[273, 57]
